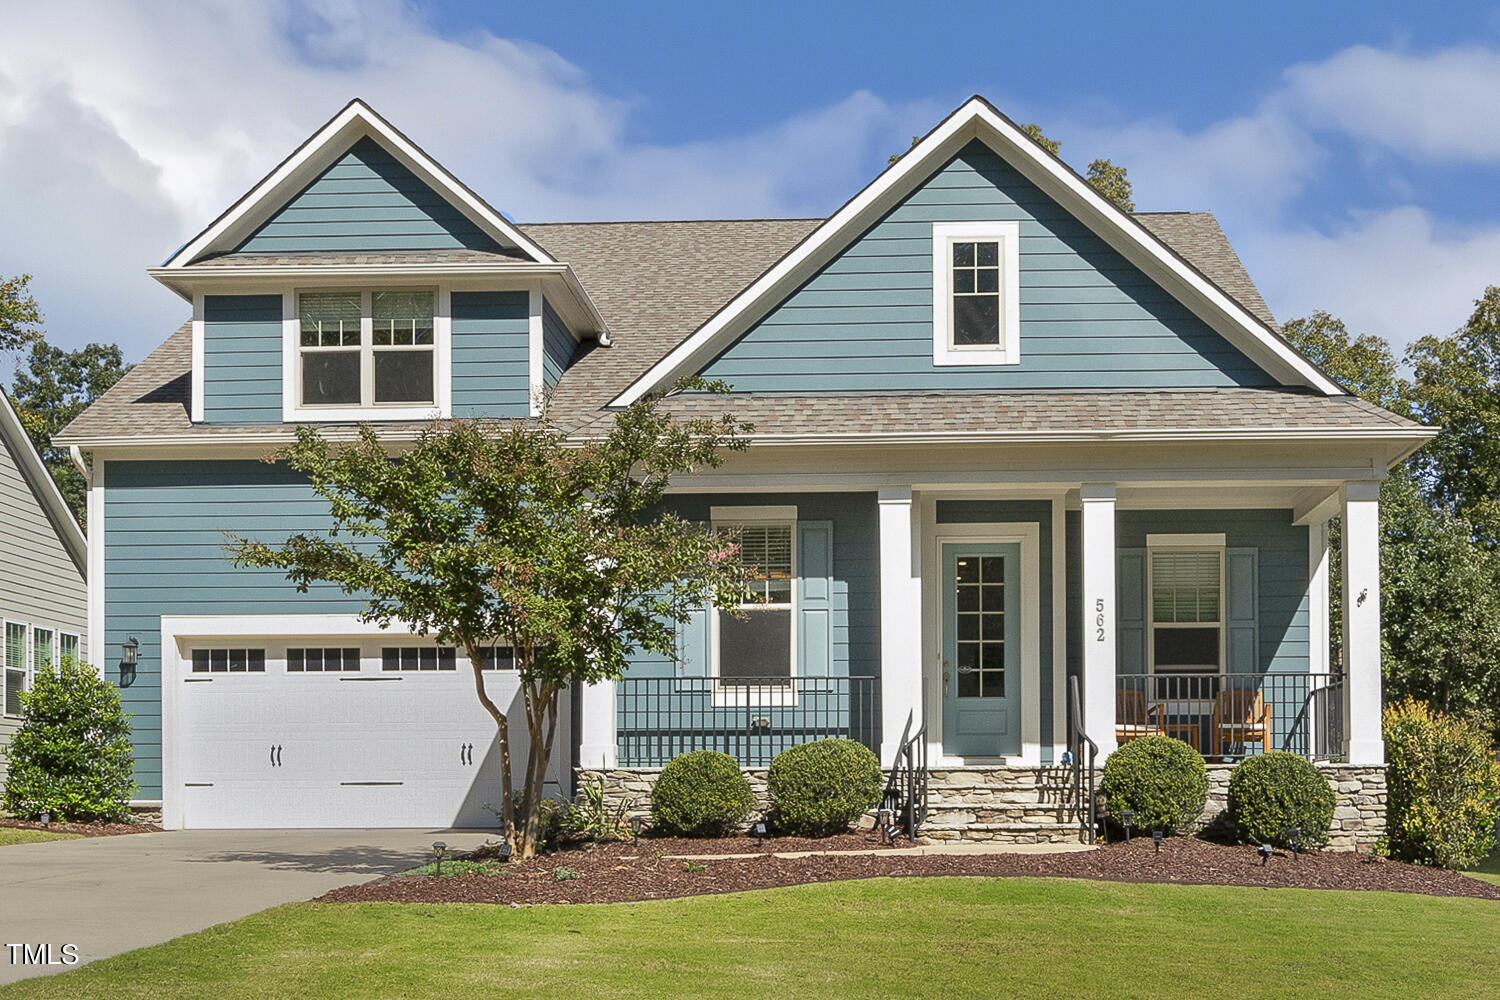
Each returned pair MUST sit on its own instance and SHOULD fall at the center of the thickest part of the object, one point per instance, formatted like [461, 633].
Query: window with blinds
[756, 644]
[1187, 619]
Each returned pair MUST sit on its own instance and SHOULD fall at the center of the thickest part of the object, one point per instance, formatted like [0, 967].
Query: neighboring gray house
[1008, 439]
[43, 568]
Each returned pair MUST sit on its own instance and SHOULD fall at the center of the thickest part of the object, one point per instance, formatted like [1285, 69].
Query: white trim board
[356, 120]
[978, 119]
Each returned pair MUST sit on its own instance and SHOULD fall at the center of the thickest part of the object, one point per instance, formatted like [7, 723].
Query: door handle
[278, 755]
[273, 755]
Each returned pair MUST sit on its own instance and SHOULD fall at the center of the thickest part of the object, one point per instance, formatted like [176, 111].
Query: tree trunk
[502, 726]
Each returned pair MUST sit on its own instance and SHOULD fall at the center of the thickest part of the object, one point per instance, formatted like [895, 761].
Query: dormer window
[975, 293]
[366, 349]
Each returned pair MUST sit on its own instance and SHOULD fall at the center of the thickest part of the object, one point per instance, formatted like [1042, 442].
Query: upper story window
[975, 293]
[363, 349]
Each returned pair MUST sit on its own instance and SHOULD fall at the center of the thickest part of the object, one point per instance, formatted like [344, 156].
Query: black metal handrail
[1079, 743]
[903, 806]
[1230, 715]
[750, 718]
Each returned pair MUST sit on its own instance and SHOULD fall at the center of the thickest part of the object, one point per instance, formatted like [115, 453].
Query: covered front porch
[1197, 611]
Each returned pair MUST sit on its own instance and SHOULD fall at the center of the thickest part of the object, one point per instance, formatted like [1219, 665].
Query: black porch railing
[1232, 715]
[750, 718]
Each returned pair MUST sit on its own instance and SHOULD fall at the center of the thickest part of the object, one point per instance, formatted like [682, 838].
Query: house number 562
[1099, 620]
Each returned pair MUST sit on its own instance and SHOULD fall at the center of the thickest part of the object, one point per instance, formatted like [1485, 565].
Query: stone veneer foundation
[1030, 804]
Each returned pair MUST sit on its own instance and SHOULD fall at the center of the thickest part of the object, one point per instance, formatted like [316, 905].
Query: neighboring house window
[418, 658]
[15, 666]
[229, 661]
[756, 645]
[1187, 610]
[311, 660]
[67, 647]
[361, 349]
[41, 649]
[975, 293]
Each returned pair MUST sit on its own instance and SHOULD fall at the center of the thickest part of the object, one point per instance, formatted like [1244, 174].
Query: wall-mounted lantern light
[130, 652]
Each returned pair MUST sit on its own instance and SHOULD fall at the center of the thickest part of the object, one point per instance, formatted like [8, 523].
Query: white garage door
[337, 732]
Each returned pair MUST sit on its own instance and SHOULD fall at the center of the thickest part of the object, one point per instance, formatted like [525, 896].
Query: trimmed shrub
[1162, 780]
[1276, 791]
[701, 794]
[71, 757]
[817, 789]
[1443, 787]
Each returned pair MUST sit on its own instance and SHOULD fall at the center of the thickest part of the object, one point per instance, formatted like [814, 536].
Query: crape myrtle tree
[482, 534]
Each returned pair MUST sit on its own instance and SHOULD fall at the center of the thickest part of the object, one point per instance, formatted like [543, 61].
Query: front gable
[367, 200]
[1088, 317]
[1054, 213]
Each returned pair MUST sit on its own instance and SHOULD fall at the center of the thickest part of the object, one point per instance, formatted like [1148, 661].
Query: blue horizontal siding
[366, 201]
[242, 359]
[1089, 318]
[164, 525]
[557, 345]
[491, 354]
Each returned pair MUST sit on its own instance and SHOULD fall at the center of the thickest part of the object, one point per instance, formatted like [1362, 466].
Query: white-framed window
[360, 352]
[976, 279]
[1186, 584]
[67, 647]
[42, 649]
[757, 646]
[16, 671]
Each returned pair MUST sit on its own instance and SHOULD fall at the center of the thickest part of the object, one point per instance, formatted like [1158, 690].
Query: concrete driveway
[106, 895]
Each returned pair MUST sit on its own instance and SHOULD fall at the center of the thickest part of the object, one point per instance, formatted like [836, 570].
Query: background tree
[1108, 179]
[54, 387]
[1457, 384]
[517, 536]
[20, 319]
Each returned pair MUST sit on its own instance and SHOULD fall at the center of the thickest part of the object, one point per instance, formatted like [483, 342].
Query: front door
[981, 649]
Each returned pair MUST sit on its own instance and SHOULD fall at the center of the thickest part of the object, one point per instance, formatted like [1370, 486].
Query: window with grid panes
[758, 642]
[976, 293]
[366, 348]
[322, 660]
[233, 660]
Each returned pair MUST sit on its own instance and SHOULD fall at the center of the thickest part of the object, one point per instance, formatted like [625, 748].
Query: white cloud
[160, 116]
[153, 124]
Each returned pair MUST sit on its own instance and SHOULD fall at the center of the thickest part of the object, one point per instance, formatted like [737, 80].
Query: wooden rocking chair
[1133, 719]
[1241, 717]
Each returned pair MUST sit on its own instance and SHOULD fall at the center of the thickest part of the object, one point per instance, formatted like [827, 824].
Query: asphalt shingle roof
[657, 282]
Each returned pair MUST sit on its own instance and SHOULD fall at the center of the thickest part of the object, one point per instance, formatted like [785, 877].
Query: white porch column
[1099, 615]
[900, 618]
[1361, 564]
[596, 726]
[1318, 628]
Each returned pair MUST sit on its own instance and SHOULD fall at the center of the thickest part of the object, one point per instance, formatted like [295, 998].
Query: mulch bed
[628, 872]
[84, 829]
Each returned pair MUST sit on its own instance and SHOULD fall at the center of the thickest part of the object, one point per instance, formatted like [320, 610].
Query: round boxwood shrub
[1276, 791]
[1162, 780]
[817, 789]
[71, 757]
[701, 793]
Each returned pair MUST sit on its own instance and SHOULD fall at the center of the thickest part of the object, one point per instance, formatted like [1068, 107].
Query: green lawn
[949, 938]
[11, 835]
[1488, 869]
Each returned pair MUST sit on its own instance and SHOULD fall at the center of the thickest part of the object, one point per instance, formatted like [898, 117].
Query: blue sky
[1351, 151]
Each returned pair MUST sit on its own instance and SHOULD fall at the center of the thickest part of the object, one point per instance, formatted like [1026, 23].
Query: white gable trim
[978, 119]
[43, 487]
[357, 120]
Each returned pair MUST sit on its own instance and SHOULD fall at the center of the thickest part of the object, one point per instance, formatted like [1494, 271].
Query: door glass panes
[312, 660]
[980, 626]
[976, 294]
[229, 661]
[418, 658]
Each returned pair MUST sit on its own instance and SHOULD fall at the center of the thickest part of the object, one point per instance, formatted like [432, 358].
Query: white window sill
[977, 356]
[767, 695]
[354, 414]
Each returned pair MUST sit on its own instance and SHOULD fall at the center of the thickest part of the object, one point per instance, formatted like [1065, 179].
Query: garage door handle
[275, 754]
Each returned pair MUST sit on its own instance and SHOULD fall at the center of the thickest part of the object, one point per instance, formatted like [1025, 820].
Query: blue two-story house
[1008, 438]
